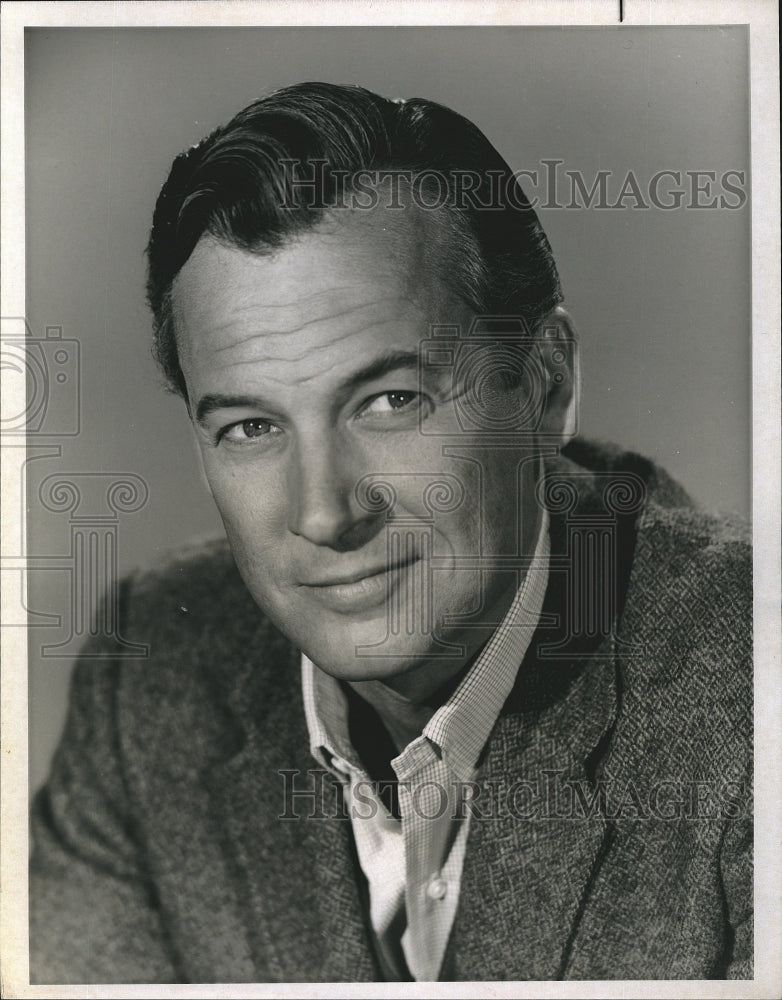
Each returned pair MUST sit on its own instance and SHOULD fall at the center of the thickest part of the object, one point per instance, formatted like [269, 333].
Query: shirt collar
[459, 728]
[326, 711]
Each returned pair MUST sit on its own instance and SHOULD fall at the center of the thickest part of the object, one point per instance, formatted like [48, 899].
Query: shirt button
[437, 888]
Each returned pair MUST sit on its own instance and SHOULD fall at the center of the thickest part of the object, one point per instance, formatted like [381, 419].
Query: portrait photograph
[390, 447]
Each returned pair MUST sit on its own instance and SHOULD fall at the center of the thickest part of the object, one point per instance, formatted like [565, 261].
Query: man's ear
[557, 341]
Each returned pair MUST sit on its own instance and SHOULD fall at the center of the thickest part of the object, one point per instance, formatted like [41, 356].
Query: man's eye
[392, 402]
[247, 430]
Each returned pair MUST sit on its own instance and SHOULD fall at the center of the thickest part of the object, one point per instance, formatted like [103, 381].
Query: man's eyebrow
[219, 401]
[393, 361]
[387, 364]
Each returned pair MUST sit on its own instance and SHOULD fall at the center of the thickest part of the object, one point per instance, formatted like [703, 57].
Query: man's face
[303, 381]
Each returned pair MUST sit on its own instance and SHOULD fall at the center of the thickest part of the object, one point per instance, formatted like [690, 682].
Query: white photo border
[761, 17]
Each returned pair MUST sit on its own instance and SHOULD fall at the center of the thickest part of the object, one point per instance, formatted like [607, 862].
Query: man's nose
[322, 504]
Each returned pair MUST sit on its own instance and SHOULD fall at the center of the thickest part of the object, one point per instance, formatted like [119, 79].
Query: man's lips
[357, 590]
[354, 576]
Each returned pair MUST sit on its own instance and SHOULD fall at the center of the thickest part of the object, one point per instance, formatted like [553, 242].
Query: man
[467, 699]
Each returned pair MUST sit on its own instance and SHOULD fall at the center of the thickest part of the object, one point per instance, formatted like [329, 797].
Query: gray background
[662, 299]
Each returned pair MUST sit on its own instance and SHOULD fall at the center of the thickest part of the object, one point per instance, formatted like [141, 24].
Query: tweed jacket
[611, 839]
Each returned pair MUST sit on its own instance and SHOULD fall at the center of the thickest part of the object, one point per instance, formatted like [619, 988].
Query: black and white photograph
[390, 445]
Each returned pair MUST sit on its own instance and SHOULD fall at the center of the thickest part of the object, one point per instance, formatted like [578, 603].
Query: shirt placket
[427, 798]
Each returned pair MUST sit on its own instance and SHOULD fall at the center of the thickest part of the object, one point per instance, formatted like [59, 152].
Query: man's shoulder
[203, 632]
[195, 584]
[211, 659]
[690, 599]
[665, 511]
[685, 621]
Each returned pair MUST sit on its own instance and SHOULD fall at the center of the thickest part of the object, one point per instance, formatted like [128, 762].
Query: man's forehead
[351, 261]
[336, 298]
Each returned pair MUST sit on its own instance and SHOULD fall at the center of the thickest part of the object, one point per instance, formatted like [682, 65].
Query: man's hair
[274, 170]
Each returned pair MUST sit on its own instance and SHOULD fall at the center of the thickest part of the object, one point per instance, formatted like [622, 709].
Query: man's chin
[364, 647]
[364, 657]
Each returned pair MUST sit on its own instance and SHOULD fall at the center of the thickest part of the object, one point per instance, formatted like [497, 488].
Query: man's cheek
[246, 497]
[256, 531]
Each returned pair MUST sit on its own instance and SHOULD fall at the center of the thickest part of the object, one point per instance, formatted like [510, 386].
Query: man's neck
[405, 717]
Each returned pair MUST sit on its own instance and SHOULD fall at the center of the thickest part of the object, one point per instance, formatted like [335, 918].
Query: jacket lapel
[531, 857]
[340, 885]
[296, 875]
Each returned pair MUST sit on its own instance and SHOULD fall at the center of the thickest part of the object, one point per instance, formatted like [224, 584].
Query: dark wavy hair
[242, 185]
